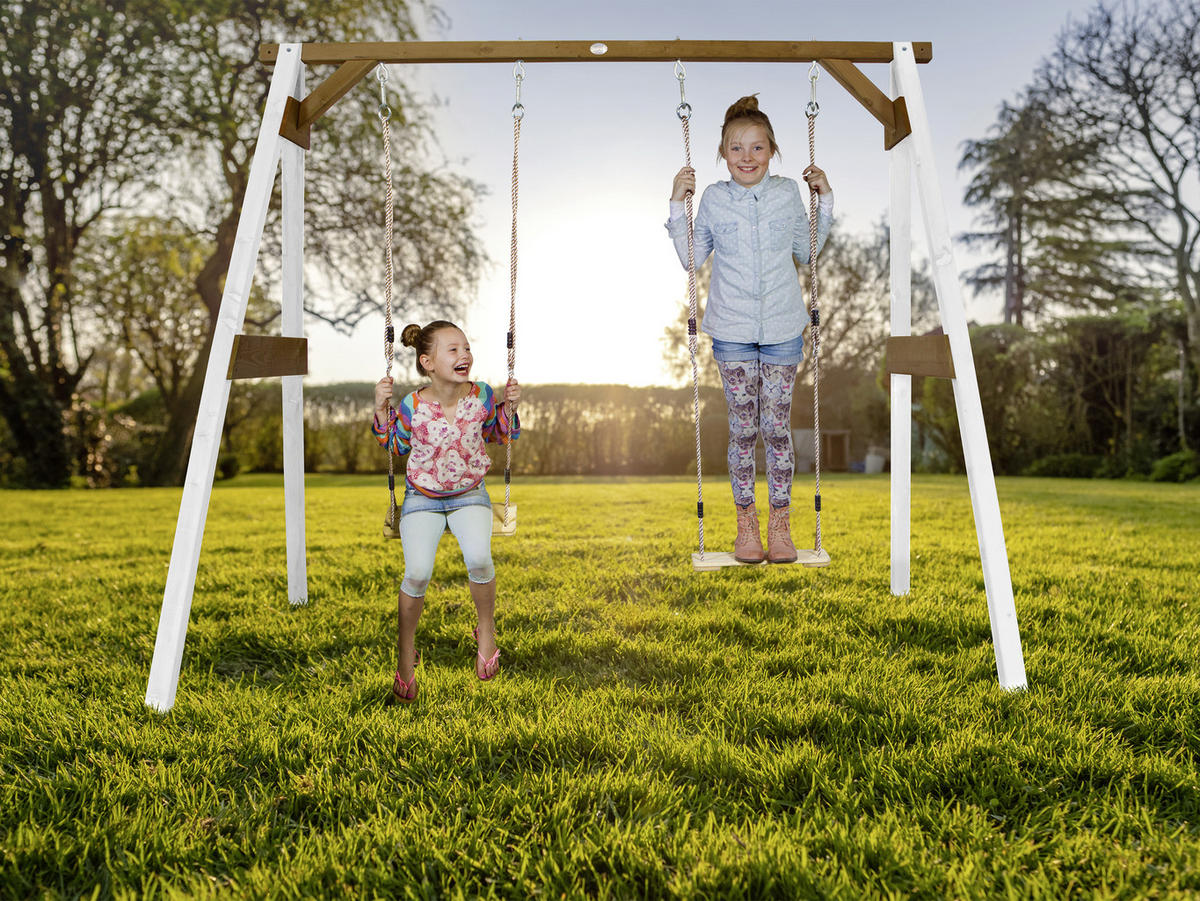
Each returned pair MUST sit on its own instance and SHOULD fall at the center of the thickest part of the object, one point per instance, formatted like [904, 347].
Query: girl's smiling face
[451, 359]
[747, 153]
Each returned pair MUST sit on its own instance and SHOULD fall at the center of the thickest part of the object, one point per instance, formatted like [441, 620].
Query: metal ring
[684, 111]
[680, 71]
[385, 111]
[518, 111]
[812, 108]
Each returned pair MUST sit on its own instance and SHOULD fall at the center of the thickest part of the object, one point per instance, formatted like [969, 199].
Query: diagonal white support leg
[1010, 664]
[900, 232]
[292, 184]
[206, 439]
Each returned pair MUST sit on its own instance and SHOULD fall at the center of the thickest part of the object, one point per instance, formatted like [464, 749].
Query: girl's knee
[480, 570]
[414, 586]
[776, 432]
[742, 430]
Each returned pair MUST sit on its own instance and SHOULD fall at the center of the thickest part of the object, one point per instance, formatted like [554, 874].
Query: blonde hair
[745, 109]
[421, 338]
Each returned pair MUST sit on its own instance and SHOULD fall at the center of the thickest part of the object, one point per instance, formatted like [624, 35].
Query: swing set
[285, 135]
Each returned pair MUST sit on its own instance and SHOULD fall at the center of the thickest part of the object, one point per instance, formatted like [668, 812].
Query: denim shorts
[416, 502]
[785, 353]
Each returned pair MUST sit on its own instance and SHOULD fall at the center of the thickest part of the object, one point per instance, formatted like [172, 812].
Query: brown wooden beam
[267, 356]
[893, 114]
[578, 51]
[355, 60]
[299, 116]
[927, 355]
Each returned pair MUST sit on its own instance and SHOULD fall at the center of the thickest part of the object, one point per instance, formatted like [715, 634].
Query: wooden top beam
[580, 51]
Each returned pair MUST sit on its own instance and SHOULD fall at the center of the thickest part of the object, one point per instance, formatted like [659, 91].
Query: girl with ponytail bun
[756, 229]
[442, 427]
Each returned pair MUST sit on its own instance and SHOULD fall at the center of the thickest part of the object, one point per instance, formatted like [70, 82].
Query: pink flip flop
[404, 692]
[494, 660]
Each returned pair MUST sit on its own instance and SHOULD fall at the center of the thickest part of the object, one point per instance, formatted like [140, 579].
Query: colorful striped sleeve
[397, 437]
[498, 427]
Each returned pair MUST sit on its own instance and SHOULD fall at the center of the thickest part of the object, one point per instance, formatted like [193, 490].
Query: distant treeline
[566, 430]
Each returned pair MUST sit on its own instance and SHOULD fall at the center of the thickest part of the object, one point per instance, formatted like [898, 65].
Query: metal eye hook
[518, 109]
[813, 107]
[381, 75]
[684, 110]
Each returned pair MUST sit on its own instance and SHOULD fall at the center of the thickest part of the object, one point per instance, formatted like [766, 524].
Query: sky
[598, 280]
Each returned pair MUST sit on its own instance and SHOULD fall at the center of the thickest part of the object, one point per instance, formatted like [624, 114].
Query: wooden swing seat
[713, 560]
[500, 525]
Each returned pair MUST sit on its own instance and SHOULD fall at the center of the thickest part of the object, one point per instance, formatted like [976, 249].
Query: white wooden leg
[292, 326]
[900, 158]
[206, 439]
[1010, 664]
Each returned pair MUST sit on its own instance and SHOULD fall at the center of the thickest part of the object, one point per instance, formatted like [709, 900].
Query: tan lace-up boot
[779, 536]
[748, 547]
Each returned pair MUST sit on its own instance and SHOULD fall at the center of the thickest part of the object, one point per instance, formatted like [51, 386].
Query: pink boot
[748, 546]
[779, 536]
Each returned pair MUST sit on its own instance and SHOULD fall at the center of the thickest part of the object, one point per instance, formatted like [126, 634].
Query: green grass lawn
[773, 732]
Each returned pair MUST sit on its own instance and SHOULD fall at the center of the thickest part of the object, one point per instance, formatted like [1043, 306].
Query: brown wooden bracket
[299, 115]
[927, 355]
[892, 113]
[267, 356]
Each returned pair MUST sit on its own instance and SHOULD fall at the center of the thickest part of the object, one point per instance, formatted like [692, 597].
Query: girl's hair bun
[410, 335]
[742, 106]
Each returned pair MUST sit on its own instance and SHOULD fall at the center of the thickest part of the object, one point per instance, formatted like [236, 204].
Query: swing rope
[811, 111]
[389, 332]
[684, 112]
[518, 113]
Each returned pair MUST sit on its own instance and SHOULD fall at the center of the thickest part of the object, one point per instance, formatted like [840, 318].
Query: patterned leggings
[759, 396]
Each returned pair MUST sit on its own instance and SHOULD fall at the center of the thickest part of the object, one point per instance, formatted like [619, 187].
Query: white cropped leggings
[420, 533]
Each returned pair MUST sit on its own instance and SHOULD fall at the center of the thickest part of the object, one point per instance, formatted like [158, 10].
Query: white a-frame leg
[206, 439]
[985, 504]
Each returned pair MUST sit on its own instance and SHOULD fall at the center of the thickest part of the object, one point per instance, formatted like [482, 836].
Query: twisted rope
[815, 319]
[692, 314]
[388, 332]
[512, 302]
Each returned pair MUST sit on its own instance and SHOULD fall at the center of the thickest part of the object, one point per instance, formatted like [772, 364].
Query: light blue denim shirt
[755, 295]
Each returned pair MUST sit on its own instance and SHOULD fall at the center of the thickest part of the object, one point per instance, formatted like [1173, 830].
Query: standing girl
[755, 225]
[442, 427]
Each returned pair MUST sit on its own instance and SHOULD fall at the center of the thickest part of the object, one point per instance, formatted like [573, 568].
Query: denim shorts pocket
[725, 236]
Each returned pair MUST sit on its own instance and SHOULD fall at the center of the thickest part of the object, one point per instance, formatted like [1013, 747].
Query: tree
[82, 117]
[1126, 81]
[223, 90]
[108, 104]
[1024, 417]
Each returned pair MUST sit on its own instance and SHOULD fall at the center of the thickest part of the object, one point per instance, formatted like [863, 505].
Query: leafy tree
[1023, 419]
[82, 117]
[1102, 367]
[1050, 257]
[106, 105]
[223, 89]
[1126, 81]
